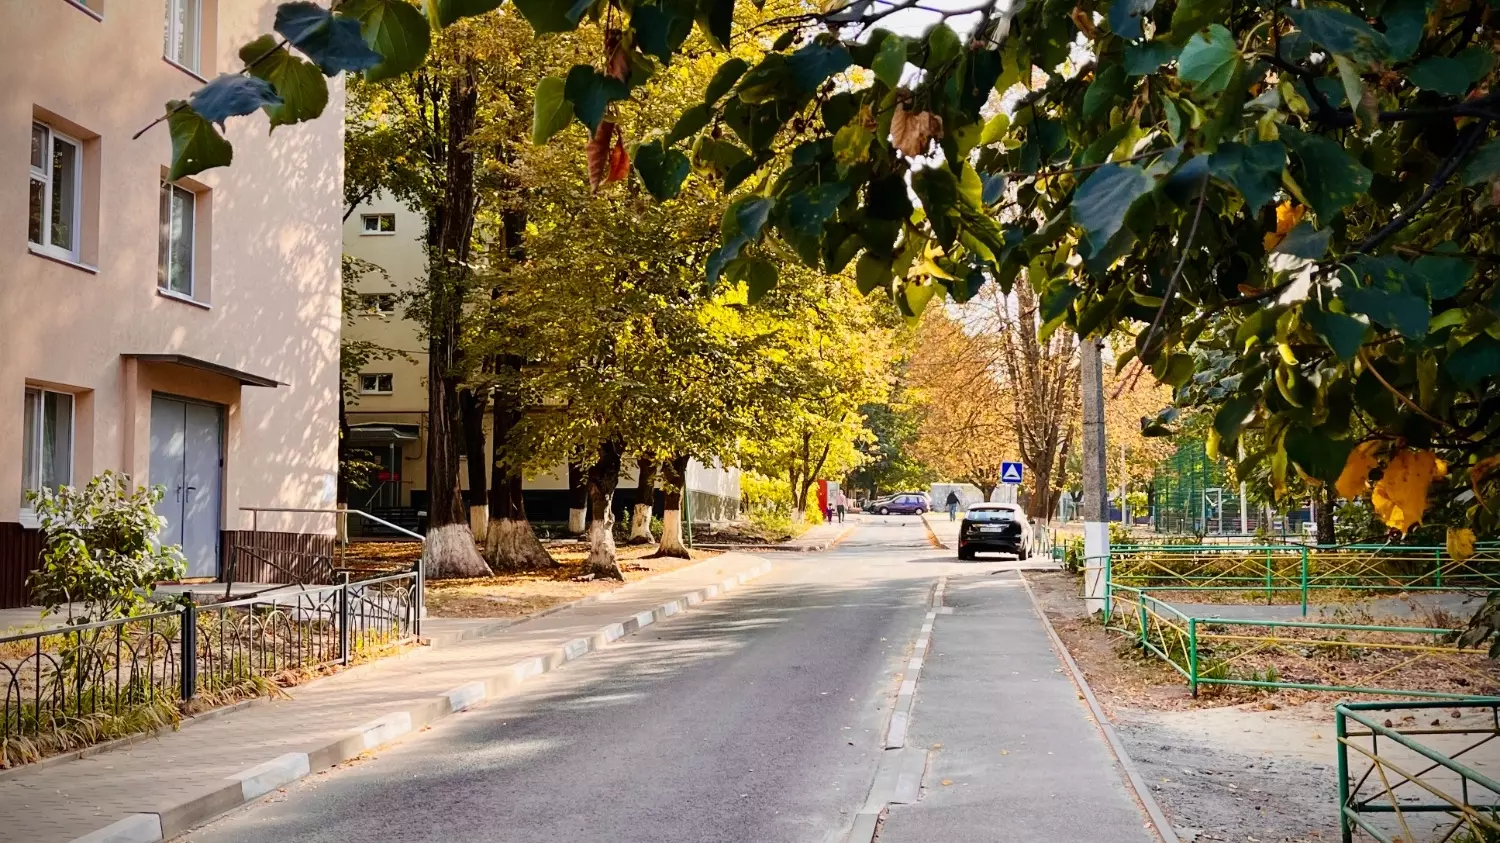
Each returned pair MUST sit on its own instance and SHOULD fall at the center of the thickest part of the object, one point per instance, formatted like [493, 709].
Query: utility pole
[1095, 498]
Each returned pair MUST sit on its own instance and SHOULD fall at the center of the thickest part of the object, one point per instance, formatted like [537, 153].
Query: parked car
[902, 504]
[996, 528]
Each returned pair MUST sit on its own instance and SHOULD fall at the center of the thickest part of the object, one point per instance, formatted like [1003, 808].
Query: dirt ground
[1237, 765]
[513, 595]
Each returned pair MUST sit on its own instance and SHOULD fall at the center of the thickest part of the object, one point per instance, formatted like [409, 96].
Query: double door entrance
[187, 457]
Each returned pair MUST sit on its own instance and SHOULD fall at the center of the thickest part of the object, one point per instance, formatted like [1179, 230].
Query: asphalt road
[757, 717]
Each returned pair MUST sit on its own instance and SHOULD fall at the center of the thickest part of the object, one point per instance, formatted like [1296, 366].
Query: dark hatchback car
[996, 529]
[901, 505]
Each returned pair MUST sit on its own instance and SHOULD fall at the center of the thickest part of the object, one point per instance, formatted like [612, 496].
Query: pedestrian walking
[841, 502]
[953, 506]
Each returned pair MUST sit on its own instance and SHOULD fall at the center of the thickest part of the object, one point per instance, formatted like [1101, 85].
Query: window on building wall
[182, 32]
[376, 384]
[47, 442]
[56, 191]
[377, 304]
[378, 223]
[174, 253]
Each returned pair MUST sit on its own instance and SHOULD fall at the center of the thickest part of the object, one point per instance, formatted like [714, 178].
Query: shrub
[101, 549]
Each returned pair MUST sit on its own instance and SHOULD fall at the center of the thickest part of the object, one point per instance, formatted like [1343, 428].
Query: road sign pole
[1095, 501]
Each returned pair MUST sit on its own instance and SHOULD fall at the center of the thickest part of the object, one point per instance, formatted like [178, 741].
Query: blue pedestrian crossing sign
[1010, 472]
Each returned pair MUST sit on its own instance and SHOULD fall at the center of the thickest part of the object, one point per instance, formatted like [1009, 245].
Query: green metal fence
[1401, 777]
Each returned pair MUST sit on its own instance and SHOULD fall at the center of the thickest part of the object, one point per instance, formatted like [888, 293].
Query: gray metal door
[186, 458]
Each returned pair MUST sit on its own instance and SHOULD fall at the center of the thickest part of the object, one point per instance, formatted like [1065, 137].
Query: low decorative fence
[1407, 771]
[80, 683]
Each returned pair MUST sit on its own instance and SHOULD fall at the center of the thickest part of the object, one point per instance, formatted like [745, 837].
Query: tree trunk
[989, 490]
[604, 476]
[471, 414]
[511, 544]
[449, 550]
[1325, 515]
[675, 470]
[578, 499]
[645, 501]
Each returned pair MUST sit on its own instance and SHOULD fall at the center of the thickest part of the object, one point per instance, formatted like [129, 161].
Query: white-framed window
[377, 223]
[47, 440]
[377, 304]
[180, 40]
[175, 241]
[376, 384]
[56, 194]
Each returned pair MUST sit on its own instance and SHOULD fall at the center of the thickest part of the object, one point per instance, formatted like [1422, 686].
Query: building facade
[185, 333]
[388, 416]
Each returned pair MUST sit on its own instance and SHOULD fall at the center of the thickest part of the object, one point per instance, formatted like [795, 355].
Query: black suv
[998, 529]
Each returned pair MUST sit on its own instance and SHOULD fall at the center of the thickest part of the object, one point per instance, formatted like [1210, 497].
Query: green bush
[101, 549]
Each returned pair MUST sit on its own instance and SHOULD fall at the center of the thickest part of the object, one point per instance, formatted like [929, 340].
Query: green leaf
[839, 109]
[1057, 299]
[662, 170]
[395, 30]
[1339, 31]
[815, 62]
[915, 296]
[1443, 75]
[724, 78]
[1179, 369]
[1479, 60]
[551, 111]
[886, 198]
[688, 124]
[851, 144]
[1107, 87]
[1304, 241]
[1331, 180]
[547, 16]
[1144, 59]
[943, 46]
[301, 86]
[1192, 15]
[1208, 61]
[1476, 360]
[1484, 164]
[1232, 416]
[722, 257]
[333, 42]
[196, 146]
[716, 19]
[446, 12]
[233, 95]
[890, 61]
[1404, 22]
[746, 217]
[808, 209]
[1126, 17]
[871, 273]
[758, 274]
[1342, 332]
[1396, 310]
[660, 30]
[1101, 202]
[1254, 170]
[939, 192]
[994, 129]
[1443, 276]
[590, 92]
[1317, 454]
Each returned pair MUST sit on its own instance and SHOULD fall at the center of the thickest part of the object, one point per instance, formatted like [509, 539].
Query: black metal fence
[75, 678]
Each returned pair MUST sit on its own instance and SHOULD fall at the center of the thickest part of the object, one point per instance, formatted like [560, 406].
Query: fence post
[344, 637]
[189, 643]
[1304, 582]
[1438, 554]
[1341, 734]
[1142, 603]
[421, 596]
[1269, 599]
[1193, 655]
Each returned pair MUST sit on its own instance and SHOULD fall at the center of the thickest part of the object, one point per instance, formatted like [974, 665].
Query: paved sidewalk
[1014, 755]
[181, 775]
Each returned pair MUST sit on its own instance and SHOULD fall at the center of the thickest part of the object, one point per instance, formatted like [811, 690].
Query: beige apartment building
[184, 333]
[388, 418]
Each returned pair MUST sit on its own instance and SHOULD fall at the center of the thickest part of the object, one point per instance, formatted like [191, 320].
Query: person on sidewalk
[953, 506]
[841, 503]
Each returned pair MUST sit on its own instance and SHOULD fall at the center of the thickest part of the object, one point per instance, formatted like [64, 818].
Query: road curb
[163, 822]
[1159, 821]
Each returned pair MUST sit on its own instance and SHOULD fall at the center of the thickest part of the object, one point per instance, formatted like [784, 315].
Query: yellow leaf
[1287, 217]
[1460, 543]
[1356, 475]
[1400, 496]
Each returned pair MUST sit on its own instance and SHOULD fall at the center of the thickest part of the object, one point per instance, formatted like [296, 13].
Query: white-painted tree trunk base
[671, 535]
[601, 561]
[1096, 553]
[479, 521]
[450, 553]
[512, 545]
[640, 524]
[577, 520]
